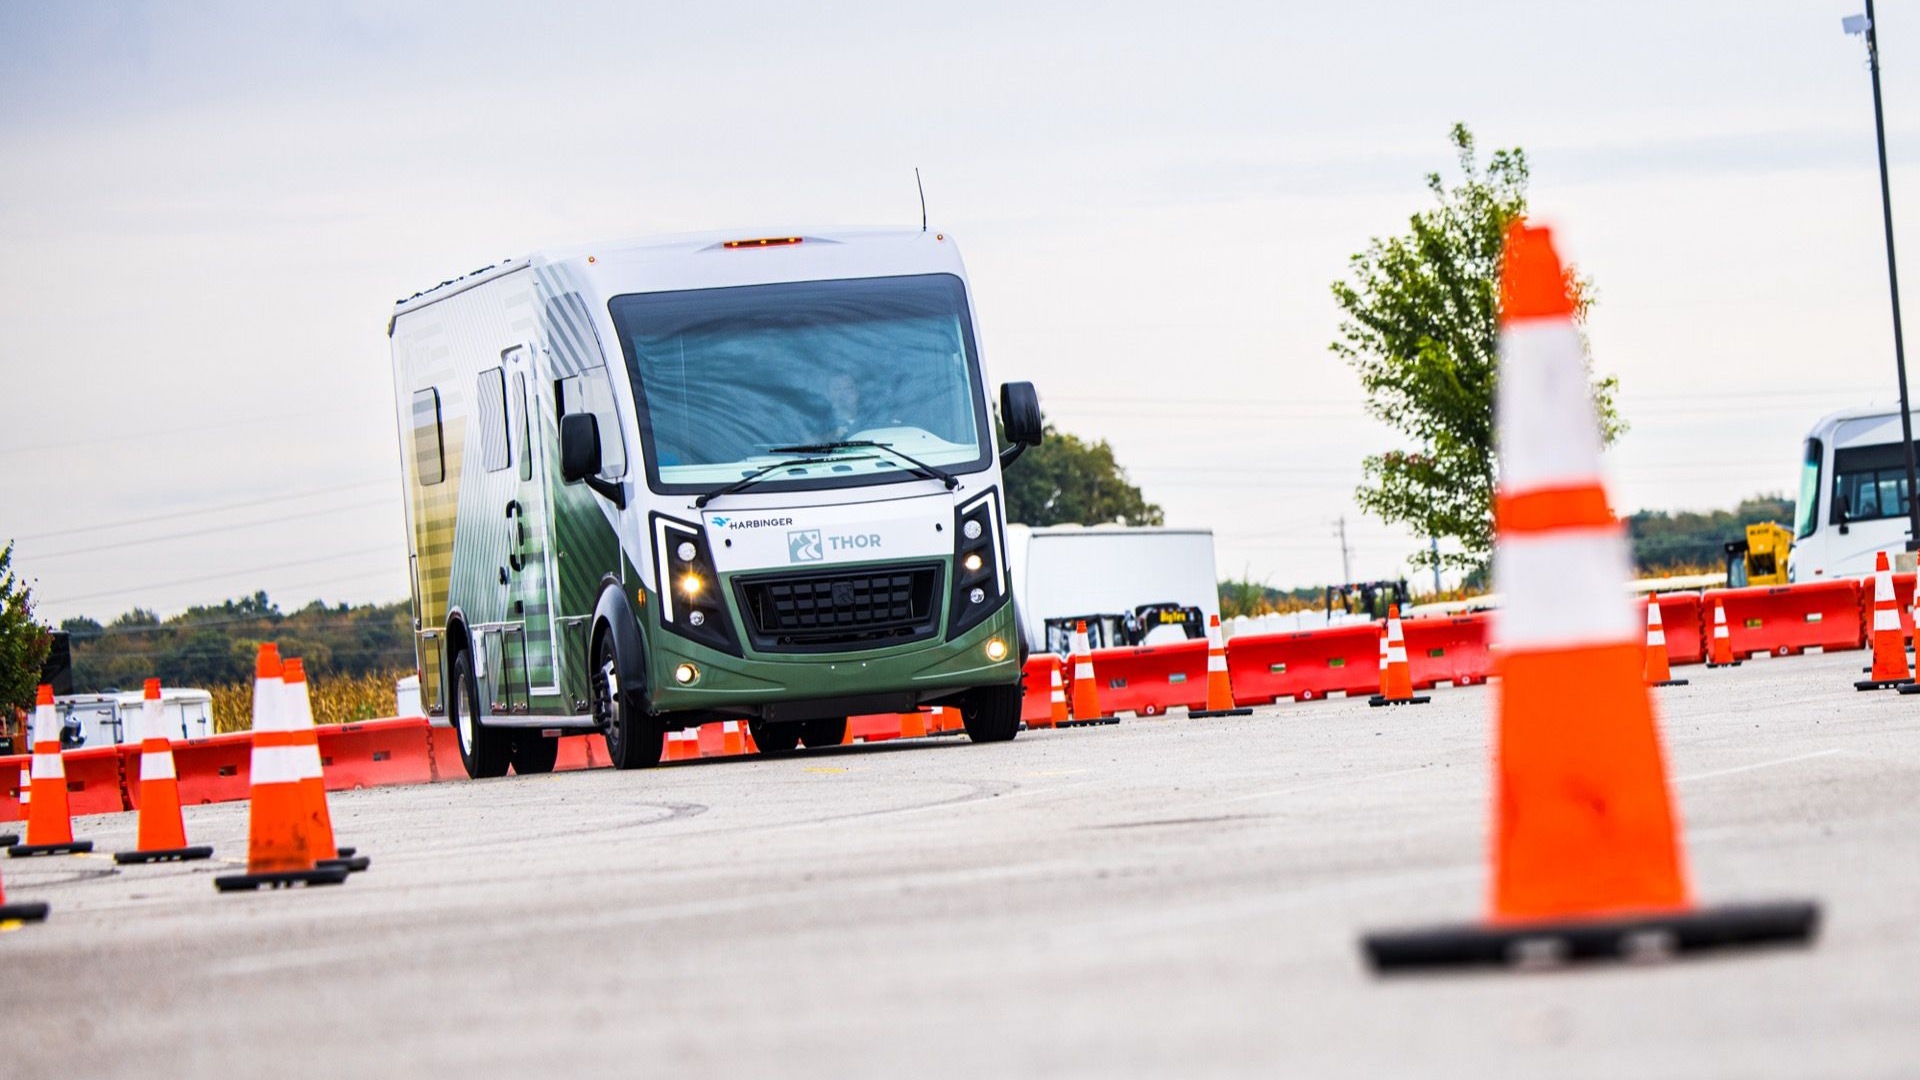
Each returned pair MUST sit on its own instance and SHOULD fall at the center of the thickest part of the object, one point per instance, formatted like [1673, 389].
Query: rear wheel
[818, 733]
[774, 739]
[633, 737]
[533, 752]
[483, 750]
[992, 713]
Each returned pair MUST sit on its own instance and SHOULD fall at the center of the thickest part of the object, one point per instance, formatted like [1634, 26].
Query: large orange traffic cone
[1396, 676]
[49, 821]
[1720, 647]
[20, 911]
[283, 845]
[1658, 671]
[1219, 680]
[1889, 651]
[1586, 863]
[1086, 693]
[313, 777]
[163, 832]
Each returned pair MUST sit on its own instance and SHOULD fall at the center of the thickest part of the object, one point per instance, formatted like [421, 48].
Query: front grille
[864, 608]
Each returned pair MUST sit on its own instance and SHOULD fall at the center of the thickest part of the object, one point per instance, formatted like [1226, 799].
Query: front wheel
[992, 713]
[634, 739]
[483, 750]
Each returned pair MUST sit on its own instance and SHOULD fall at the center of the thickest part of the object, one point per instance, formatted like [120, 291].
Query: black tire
[484, 751]
[633, 737]
[774, 740]
[534, 753]
[818, 733]
[992, 713]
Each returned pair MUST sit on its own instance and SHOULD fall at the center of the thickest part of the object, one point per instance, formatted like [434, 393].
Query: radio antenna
[923, 198]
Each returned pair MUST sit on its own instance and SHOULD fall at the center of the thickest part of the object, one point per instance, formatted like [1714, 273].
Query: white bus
[1853, 495]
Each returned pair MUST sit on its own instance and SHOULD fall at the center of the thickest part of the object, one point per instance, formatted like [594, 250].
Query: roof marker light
[765, 241]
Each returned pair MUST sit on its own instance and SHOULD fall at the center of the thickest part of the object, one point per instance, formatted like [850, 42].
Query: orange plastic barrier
[216, 769]
[96, 781]
[1036, 703]
[876, 728]
[374, 753]
[1683, 618]
[1450, 649]
[1789, 619]
[1305, 664]
[1150, 679]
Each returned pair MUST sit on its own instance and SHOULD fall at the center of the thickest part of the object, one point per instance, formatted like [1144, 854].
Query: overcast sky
[207, 209]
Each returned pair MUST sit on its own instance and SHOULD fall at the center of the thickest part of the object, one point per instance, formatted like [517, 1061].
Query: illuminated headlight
[690, 584]
[692, 600]
[685, 674]
[996, 650]
[979, 579]
[972, 562]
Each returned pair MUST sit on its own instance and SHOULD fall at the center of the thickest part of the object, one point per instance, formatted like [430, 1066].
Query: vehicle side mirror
[1842, 510]
[579, 446]
[1020, 417]
[580, 457]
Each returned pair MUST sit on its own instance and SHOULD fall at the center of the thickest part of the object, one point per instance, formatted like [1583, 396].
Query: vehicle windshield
[1869, 483]
[726, 376]
[1806, 509]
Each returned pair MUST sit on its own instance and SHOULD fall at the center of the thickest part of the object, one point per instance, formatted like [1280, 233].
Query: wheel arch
[613, 616]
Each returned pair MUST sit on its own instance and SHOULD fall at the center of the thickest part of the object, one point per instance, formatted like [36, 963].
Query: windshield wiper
[760, 474]
[920, 468]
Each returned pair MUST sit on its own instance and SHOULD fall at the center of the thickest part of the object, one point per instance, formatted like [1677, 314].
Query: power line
[198, 511]
[145, 540]
[223, 575]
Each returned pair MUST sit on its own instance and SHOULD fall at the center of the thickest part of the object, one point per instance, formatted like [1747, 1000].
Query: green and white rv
[655, 484]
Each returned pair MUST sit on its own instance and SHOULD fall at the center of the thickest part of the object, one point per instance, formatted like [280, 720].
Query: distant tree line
[1688, 539]
[216, 644]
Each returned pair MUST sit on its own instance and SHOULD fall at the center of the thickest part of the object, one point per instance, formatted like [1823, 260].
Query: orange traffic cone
[1658, 671]
[683, 745]
[1086, 694]
[1889, 651]
[20, 911]
[283, 845]
[1586, 863]
[313, 777]
[1057, 693]
[731, 740]
[1396, 677]
[163, 832]
[1720, 648]
[49, 822]
[1219, 681]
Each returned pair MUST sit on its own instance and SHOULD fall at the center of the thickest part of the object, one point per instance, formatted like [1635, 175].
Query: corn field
[339, 699]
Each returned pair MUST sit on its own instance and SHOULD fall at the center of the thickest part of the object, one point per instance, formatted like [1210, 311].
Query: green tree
[1069, 481]
[1420, 327]
[23, 642]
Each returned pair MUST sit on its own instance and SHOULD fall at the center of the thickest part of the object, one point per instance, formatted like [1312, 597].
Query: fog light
[996, 649]
[685, 673]
[976, 596]
[972, 562]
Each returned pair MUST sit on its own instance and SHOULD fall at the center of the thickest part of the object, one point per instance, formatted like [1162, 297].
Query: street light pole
[1857, 25]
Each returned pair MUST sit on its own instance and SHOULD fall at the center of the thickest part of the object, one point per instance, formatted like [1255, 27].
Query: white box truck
[1133, 585]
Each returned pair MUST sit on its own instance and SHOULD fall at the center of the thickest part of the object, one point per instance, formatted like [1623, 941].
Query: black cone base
[1882, 684]
[1671, 682]
[1219, 712]
[284, 879]
[1910, 688]
[1637, 937]
[351, 865]
[34, 911]
[1378, 700]
[78, 847]
[181, 854]
[1736, 663]
[8, 839]
[344, 852]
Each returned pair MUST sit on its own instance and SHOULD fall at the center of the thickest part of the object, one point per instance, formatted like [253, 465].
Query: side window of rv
[588, 392]
[490, 398]
[429, 449]
[518, 422]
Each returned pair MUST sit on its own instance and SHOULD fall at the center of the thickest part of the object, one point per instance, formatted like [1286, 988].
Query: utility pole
[1855, 24]
[1346, 553]
[1434, 547]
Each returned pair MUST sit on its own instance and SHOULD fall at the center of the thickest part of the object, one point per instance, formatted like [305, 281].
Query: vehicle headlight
[691, 604]
[979, 583]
